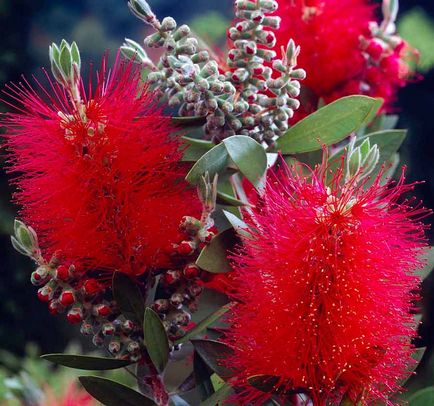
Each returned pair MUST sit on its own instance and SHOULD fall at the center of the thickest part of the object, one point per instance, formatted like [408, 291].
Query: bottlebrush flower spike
[97, 173]
[327, 284]
[344, 50]
[73, 396]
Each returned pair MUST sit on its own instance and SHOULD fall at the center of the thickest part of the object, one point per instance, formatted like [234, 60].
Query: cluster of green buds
[186, 75]
[66, 65]
[235, 102]
[362, 159]
[267, 86]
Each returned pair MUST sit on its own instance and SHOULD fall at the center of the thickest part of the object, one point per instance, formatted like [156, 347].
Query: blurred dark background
[27, 28]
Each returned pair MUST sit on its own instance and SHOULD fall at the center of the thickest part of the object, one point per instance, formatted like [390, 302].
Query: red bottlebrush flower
[326, 288]
[73, 396]
[100, 183]
[338, 50]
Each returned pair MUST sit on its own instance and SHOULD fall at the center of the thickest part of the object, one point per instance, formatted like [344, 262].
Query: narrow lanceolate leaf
[111, 393]
[225, 199]
[128, 297]
[218, 398]
[249, 157]
[239, 225]
[156, 340]
[213, 257]
[213, 352]
[196, 148]
[205, 323]
[424, 397]
[214, 161]
[194, 120]
[86, 362]
[329, 125]
[264, 383]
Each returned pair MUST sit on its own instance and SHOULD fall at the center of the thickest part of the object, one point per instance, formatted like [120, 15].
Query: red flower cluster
[99, 182]
[72, 397]
[339, 51]
[326, 282]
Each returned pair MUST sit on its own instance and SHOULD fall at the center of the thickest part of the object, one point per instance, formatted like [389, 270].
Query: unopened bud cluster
[383, 51]
[361, 160]
[267, 86]
[89, 302]
[65, 63]
[255, 97]
[182, 285]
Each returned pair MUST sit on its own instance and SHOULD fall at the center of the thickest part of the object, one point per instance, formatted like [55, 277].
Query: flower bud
[135, 52]
[161, 305]
[25, 240]
[133, 347]
[45, 294]
[171, 277]
[108, 329]
[364, 157]
[101, 310]
[86, 329]
[186, 248]
[67, 298]
[176, 300]
[62, 273]
[191, 271]
[114, 347]
[91, 287]
[127, 326]
[40, 276]
[65, 63]
[168, 24]
[142, 10]
[75, 315]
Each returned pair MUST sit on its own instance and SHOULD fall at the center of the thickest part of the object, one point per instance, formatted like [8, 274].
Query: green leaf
[213, 257]
[218, 398]
[249, 157]
[214, 161]
[195, 145]
[225, 199]
[213, 352]
[388, 141]
[86, 362]
[424, 397]
[111, 393]
[202, 376]
[417, 355]
[65, 60]
[194, 120]
[426, 270]
[128, 297]
[205, 323]
[75, 54]
[329, 125]
[156, 340]
[20, 248]
[239, 225]
[264, 383]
